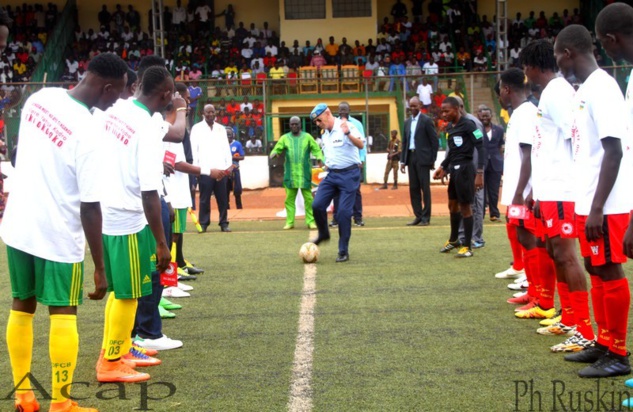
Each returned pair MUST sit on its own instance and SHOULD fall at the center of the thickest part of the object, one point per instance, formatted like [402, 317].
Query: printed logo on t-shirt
[549, 223]
[458, 140]
[147, 279]
[595, 250]
[582, 105]
[478, 135]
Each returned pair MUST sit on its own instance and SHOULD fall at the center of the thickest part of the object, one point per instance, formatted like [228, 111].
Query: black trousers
[218, 188]
[492, 181]
[420, 188]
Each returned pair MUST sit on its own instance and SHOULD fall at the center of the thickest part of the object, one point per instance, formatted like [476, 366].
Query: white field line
[301, 382]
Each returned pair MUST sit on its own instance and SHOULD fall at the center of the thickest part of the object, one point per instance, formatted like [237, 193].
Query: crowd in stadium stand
[32, 24]
[202, 44]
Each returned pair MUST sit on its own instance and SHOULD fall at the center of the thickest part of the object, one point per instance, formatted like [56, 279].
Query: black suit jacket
[493, 149]
[425, 139]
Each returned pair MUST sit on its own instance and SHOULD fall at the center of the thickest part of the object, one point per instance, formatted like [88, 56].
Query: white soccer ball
[309, 252]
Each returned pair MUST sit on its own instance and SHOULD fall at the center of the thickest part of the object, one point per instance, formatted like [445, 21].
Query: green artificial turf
[400, 327]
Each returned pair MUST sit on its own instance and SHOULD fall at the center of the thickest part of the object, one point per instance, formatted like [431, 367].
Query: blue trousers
[344, 184]
[148, 324]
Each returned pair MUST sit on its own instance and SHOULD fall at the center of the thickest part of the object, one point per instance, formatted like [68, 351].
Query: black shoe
[610, 364]
[320, 240]
[415, 222]
[187, 277]
[333, 223]
[359, 223]
[342, 257]
[204, 229]
[588, 355]
[193, 270]
[225, 229]
[425, 223]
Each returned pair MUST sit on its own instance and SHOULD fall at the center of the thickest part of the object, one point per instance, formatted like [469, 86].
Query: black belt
[347, 169]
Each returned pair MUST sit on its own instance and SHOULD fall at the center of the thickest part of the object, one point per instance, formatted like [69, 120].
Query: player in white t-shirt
[517, 187]
[553, 178]
[132, 228]
[54, 204]
[613, 30]
[600, 148]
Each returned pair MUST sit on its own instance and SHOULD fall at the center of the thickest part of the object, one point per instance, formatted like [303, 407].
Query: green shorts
[52, 283]
[180, 221]
[128, 263]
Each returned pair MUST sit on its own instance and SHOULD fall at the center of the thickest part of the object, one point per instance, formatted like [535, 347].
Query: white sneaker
[162, 343]
[518, 286]
[510, 273]
[520, 279]
[174, 292]
[184, 287]
[519, 294]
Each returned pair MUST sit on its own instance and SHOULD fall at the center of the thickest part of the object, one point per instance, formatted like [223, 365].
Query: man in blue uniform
[341, 143]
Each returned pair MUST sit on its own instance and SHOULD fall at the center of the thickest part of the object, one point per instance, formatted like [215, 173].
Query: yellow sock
[106, 328]
[63, 347]
[120, 324]
[20, 344]
[173, 251]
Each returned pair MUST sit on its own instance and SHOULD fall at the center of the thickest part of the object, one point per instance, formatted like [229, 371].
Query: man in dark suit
[419, 152]
[493, 143]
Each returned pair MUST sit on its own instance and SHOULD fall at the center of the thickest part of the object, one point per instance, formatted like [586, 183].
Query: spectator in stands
[178, 17]
[431, 70]
[332, 51]
[398, 10]
[118, 18]
[480, 62]
[413, 71]
[541, 22]
[317, 60]
[104, 16]
[396, 70]
[318, 47]
[425, 93]
[457, 92]
[254, 145]
[345, 53]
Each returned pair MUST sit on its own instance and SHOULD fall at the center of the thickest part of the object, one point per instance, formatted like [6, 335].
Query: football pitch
[400, 327]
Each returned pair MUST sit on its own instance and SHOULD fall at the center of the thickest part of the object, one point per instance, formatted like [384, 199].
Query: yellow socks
[106, 328]
[119, 323]
[64, 348]
[20, 345]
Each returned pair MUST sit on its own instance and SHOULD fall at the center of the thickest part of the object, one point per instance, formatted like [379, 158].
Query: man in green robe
[298, 146]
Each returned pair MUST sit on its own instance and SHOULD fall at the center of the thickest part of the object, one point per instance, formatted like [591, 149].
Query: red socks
[616, 300]
[567, 313]
[517, 249]
[547, 277]
[580, 306]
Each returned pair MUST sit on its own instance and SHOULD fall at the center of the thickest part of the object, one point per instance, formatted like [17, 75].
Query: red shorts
[558, 219]
[529, 223]
[607, 249]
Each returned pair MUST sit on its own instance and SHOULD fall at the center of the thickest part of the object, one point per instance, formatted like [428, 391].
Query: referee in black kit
[463, 138]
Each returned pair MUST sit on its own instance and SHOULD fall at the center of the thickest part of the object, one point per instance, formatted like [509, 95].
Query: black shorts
[461, 186]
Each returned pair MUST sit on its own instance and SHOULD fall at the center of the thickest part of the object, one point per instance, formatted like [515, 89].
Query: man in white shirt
[54, 208]
[613, 31]
[211, 150]
[600, 145]
[179, 16]
[424, 92]
[133, 234]
[431, 69]
[205, 16]
[553, 178]
[272, 49]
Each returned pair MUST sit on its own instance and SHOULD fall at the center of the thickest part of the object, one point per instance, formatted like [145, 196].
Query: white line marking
[301, 383]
